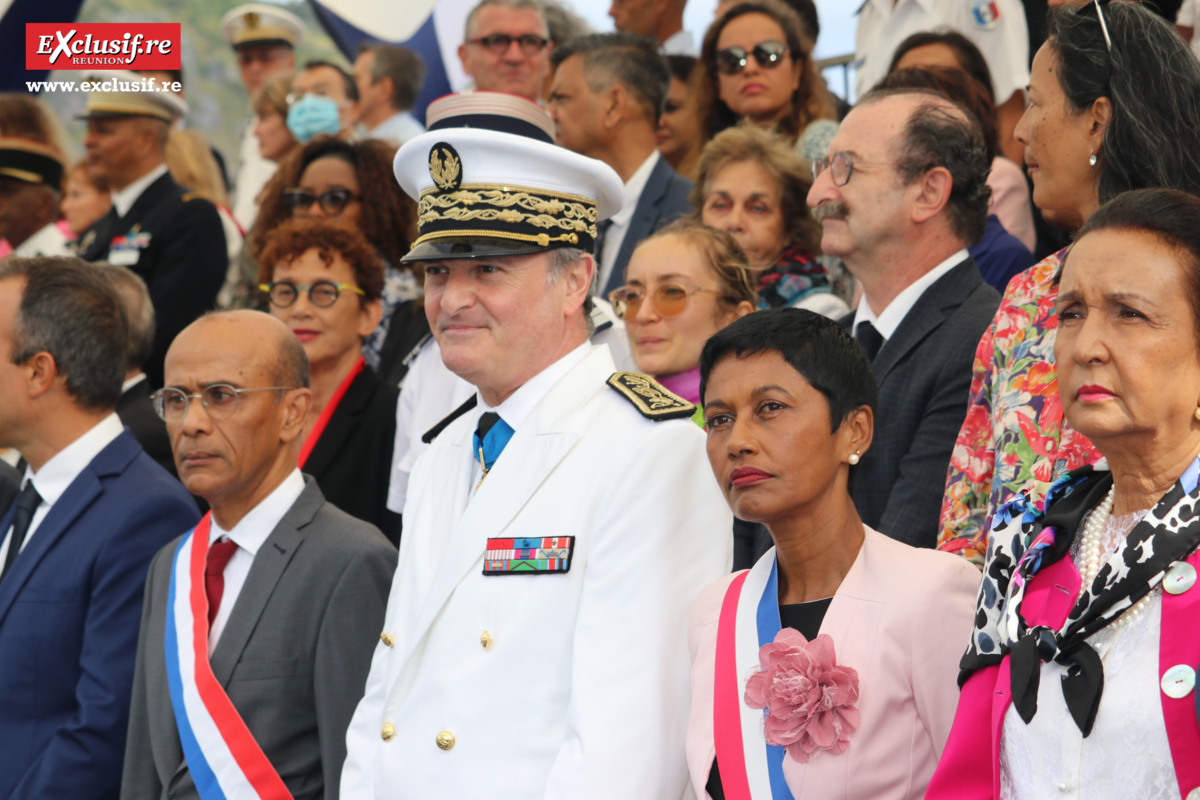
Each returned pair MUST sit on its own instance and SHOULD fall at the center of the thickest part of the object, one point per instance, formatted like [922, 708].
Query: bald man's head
[236, 445]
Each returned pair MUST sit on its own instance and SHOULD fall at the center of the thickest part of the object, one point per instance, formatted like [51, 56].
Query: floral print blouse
[1014, 438]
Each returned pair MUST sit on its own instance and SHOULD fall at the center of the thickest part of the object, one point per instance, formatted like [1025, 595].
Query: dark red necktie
[219, 553]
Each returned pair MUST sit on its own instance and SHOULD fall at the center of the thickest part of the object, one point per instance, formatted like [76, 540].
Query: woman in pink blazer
[1081, 670]
[828, 669]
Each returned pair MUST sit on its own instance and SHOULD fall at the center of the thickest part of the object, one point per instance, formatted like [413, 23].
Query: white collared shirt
[132, 382]
[520, 404]
[679, 43]
[49, 241]
[890, 318]
[620, 220]
[398, 128]
[57, 474]
[124, 199]
[249, 535]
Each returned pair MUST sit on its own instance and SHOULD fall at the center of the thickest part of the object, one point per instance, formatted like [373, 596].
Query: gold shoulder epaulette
[650, 397]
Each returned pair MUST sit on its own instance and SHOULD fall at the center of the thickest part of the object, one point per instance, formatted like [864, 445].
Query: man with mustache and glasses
[900, 197]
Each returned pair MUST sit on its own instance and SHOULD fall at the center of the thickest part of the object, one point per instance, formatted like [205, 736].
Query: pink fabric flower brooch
[810, 699]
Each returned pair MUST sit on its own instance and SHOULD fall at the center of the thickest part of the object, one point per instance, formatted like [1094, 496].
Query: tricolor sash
[750, 768]
[222, 756]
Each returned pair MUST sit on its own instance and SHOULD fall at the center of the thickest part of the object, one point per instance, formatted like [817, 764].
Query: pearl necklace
[1089, 559]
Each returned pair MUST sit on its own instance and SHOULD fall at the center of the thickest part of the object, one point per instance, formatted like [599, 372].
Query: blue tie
[491, 436]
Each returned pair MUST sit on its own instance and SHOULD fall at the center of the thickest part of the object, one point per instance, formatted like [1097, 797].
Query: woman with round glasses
[324, 282]
[756, 64]
[682, 285]
[753, 186]
[826, 670]
[349, 184]
[1102, 119]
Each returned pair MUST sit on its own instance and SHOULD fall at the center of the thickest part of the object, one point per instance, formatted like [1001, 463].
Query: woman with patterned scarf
[751, 184]
[1079, 680]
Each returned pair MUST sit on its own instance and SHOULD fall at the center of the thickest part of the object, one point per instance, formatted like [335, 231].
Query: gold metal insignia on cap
[251, 19]
[651, 398]
[445, 167]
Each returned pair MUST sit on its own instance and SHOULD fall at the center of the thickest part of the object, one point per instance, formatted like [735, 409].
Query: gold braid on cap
[507, 212]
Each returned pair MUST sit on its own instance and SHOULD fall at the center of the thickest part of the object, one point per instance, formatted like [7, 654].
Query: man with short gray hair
[389, 79]
[506, 47]
[75, 545]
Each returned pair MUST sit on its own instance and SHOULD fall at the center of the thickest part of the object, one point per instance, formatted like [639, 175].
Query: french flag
[433, 28]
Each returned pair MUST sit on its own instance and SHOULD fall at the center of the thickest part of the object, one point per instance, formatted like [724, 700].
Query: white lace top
[1127, 754]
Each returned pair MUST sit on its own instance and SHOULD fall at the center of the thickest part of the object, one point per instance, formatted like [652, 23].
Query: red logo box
[102, 45]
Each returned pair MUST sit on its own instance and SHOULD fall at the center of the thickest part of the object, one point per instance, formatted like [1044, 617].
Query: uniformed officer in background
[173, 240]
[559, 527]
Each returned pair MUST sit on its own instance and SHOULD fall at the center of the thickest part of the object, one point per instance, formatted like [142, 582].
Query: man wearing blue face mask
[324, 100]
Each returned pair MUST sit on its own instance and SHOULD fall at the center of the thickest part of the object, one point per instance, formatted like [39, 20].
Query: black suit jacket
[664, 199]
[136, 411]
[352, 461]
[10, 486]
[183, 261]
[924, 375]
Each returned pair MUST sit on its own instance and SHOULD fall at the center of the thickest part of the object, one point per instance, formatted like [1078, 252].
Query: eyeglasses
[733, 60]
[498, 43]
[332, 201]
[220, 401]
[668, 299]
[840, 166]
[1103, 25]
[322, 294]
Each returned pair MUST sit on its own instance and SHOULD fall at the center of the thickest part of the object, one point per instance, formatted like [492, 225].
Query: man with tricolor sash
[561, 522]
[258, 624]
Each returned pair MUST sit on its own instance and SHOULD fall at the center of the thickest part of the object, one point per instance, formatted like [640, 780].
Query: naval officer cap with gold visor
[489, 181]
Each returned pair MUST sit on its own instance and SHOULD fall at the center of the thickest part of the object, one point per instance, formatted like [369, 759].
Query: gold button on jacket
[445, 740]
[385, 638]
[387, 731]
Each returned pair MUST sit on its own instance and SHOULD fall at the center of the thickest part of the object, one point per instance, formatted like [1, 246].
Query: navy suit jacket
[664, 199]
[70, 609]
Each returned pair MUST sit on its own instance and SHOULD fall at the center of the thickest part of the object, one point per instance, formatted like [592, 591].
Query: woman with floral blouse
[1099, 122]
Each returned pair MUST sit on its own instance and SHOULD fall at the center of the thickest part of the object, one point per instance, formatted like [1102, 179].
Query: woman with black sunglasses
[324, 282]
[756, 64]
[350, 184]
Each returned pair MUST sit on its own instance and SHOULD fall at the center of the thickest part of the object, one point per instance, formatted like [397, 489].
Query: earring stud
[1196, 413]
[854, 456]
[1092, 159]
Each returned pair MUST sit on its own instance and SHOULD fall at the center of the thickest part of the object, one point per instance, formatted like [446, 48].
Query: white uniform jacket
[570, 685]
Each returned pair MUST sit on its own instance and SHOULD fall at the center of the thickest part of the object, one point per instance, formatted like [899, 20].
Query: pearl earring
[1092, 159]
[854, 456]
[1197, 413]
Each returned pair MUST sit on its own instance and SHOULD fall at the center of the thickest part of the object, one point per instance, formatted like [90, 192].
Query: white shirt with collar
[132, 382]
[124, 199]
[57, 474]
[888, 320]
[521, 403]
[398, 128]
[249, 535]
[48, 241]
[680, 43]
[620, 221]
[996, 27]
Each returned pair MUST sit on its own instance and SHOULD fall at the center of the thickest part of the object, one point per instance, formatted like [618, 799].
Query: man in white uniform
[556, 532]
[264, 38]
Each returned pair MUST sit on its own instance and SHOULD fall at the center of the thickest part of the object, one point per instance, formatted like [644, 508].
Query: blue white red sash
[750, 768]
[224, 760]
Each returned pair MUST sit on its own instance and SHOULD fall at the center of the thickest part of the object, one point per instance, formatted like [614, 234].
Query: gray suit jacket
[663, 200]
[293, 657]
[924, 375]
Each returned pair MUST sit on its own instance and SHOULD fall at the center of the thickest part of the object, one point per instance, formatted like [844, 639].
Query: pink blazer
[901, 618]
[964, 774]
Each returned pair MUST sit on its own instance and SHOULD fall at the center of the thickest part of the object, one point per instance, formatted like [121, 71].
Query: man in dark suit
[135, 408]
[172, 239]
[75, 545]
[901, 197]
[608, 91]
[303, 587]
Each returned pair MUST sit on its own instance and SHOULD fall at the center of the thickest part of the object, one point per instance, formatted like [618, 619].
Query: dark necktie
[601, 231]
[870, 338]
[491, 436]
[219, 553]
[27, 504]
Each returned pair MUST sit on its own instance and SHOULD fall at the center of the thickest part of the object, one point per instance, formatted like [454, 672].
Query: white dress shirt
[890, 318]
[124, 199]
[57, 474]
[252, 176]
[249, 534]
[679, 43]
[132, 382]
[398, 128]
[615, 236]
[49, 241]
[521, 403]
